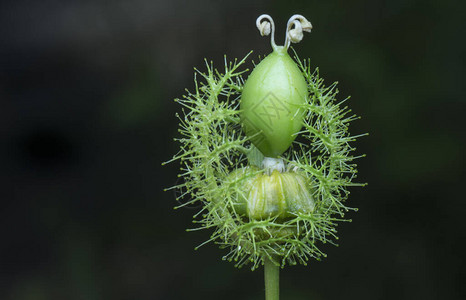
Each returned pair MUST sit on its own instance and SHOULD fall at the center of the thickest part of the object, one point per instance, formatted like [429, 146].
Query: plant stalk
[272, 280]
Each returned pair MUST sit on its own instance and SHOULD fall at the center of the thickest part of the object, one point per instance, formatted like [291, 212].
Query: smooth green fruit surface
[271, 103]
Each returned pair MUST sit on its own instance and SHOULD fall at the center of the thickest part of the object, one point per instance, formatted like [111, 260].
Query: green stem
[271, 277]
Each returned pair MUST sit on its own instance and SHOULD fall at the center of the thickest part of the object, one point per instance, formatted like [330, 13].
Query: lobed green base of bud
[280, 195]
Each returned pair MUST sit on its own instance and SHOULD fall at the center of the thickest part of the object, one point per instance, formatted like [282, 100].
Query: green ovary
[261, 196]
[271, 103]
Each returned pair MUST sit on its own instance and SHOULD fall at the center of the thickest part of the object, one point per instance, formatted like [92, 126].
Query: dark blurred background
[87, 117]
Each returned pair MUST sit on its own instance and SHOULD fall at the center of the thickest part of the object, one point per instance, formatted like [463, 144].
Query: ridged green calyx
[269, 158]
[261, 196]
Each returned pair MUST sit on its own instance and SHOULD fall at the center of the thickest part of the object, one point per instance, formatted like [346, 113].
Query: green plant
[269, 159]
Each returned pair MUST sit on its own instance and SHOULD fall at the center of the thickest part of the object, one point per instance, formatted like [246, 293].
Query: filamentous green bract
[213, 147]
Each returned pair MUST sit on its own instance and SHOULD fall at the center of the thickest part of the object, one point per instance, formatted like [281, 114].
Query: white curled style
[267, 27]
[296, 34]
[294, 29]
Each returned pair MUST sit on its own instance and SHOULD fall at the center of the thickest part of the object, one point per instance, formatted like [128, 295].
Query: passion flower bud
[260, 196]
